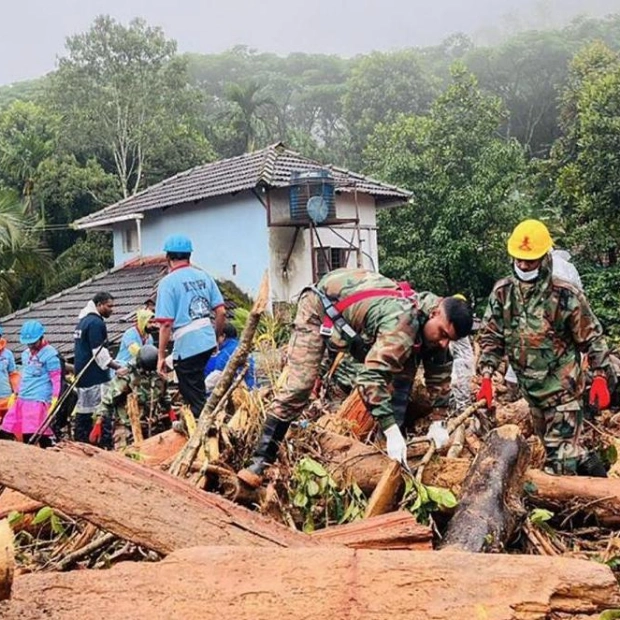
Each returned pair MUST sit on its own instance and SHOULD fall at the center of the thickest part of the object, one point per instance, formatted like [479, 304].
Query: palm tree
[250, 114]
[24, 262]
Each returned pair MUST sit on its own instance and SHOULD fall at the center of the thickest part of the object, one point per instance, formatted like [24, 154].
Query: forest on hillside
[482, 135]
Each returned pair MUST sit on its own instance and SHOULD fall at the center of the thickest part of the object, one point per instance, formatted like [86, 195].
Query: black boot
[266, 451]
[592, 466]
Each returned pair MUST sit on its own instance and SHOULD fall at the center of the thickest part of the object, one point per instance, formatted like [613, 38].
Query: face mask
[526, 276]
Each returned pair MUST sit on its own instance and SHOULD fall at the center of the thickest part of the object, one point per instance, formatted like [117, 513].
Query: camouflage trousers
[305, 354]
[559, 428]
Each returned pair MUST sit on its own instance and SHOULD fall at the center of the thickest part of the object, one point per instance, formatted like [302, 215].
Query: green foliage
[47, 515]
[122, 93]
[317, 497]
[421, 500]
[602, 285]
[464, 180]
[89, 256]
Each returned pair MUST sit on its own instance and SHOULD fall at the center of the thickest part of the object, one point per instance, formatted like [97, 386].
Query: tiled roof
[270, 167]
[131, 285]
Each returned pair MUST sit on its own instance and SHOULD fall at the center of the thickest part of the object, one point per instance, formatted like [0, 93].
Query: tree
[121, 92]
[251, 115]
[28, 136]
[585, 162]
[465, 181]
[382, 86]
[22, 258]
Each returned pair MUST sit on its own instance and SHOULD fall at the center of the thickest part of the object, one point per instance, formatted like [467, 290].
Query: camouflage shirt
[390, 326]
[542, 327]
[149, 387]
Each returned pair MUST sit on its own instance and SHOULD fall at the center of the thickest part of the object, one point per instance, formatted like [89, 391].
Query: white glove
[438, 433]
[396, 446]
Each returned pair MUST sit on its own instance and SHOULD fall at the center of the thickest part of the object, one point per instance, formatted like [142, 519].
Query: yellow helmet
[530, 240]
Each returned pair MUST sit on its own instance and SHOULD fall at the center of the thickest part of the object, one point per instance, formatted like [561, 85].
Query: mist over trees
[483, 135]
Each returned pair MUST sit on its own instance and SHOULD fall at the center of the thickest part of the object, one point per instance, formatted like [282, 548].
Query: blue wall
[225, 232]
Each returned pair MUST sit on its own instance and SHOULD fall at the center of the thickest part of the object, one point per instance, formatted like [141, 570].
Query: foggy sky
[32, 32]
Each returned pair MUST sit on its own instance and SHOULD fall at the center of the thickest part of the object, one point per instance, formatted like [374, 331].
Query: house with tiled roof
[272, 209]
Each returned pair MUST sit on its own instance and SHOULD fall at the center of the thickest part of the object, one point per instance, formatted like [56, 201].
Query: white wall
[286, 285]
[225, 231]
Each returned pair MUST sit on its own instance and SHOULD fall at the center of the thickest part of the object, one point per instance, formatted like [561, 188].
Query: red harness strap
[404, 292]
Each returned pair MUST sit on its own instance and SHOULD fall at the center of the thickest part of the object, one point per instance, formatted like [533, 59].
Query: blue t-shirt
[7, 366]
[89, 335]
[185, 295]
[131, 336]
[220, 359]
[36, 383]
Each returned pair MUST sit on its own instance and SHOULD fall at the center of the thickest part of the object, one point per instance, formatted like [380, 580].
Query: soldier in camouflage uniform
[378, 322]
[436, 363]
[150, 389]
[543, 324]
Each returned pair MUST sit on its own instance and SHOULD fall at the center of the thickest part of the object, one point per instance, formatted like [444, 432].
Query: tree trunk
[139, 504]
[262, 584]
[395, 530]
[599, 497]
[350, 460]
[7, 560]
[490, 506]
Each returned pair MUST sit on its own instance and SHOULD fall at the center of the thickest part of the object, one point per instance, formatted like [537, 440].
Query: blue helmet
[31, 332]
[178, 243]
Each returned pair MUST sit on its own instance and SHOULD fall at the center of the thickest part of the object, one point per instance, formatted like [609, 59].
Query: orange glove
[11, 401]
[172, 415]
[95, 434]
[486, 391]
[599, 393]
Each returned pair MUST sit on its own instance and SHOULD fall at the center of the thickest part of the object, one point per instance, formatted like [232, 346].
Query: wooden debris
[599, 497]
[384, 497]
[490, 507]
[136, 503]
[133, 412]
[241, 583]
[7, 560]
[354, 411]
[395, 530]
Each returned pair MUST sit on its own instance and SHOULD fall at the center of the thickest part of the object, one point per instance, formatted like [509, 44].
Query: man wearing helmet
[150, 391]
[543, 324]
[186, 300]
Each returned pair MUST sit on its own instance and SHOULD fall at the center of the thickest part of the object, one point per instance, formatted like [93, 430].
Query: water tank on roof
[311, 196]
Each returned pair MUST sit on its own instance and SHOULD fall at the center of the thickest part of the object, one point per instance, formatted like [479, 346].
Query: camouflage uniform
[389, 326]
[152, 394]
[543, 327]
[437, 365]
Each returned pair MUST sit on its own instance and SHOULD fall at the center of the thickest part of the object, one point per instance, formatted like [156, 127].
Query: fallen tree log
[137, 503]
[261, 584]
[599, 497]
[394, 530]
[13, 501]
[158, 449]
[490, 506]
[350, 460]
[7, 560]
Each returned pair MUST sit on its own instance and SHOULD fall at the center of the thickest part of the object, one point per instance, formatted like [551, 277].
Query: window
[328, 259]
[130, 240]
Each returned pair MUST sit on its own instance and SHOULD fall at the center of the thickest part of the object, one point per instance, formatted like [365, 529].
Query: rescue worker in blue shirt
[9, 376]
[135, 338]
[227, 343]
[186, 300]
